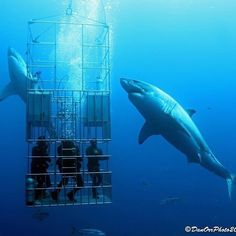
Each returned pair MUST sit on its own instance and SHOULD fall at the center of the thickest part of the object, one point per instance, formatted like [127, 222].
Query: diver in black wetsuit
[39, 166]
[94, 155]
[69, 164]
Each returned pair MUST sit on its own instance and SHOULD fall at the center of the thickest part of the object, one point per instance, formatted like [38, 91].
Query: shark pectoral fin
[190, 112]
[7, 91]
[146, 131]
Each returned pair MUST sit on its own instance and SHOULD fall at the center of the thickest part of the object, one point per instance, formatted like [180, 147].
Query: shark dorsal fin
[147, 131]
[190, 112]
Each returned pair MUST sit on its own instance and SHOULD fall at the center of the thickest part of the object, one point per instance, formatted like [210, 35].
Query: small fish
[169, 200]
[87, 232]
[40, 215]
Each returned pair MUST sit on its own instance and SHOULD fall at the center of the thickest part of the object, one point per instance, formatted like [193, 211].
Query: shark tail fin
[230, 183]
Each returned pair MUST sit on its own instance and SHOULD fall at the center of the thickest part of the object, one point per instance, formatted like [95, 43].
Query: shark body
[20, 81]
[165, 116]
[19, 78]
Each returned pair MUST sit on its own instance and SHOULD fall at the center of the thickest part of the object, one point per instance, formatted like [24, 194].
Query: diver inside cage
[37, 75]
[39, 168]
[94, 155]
[69, 164]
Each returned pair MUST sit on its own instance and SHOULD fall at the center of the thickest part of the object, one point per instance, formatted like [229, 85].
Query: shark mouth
[131, 86]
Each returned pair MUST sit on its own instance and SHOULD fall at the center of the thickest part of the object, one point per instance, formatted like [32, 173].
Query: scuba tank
[30, 191]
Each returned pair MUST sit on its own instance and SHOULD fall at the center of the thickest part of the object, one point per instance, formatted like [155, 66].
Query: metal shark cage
[68, 105]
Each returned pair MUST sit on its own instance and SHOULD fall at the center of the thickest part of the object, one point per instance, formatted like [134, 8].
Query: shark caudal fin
[230, 183]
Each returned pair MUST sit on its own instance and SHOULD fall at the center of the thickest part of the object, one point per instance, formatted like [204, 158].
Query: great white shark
[19, 77]
[166, 117]
[20, 80]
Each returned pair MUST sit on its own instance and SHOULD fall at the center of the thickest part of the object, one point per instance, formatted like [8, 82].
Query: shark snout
[130, 85]
[16, 62]
[11, 52]
[125, 84]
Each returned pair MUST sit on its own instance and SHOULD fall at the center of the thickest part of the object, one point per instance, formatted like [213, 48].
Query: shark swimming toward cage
[21, 80]
[166, 117]
[19, 77]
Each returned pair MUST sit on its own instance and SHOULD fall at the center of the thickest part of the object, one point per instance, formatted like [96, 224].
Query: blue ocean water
[188, 49]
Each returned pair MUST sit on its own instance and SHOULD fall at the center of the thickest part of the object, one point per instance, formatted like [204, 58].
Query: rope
[35, 40]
